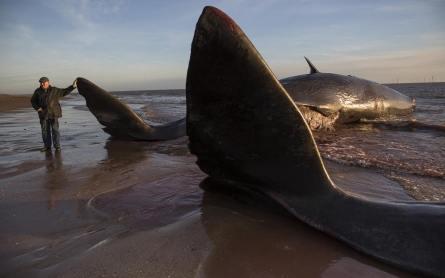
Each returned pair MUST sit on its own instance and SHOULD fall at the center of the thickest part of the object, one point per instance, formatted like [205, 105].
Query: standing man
[45, 101]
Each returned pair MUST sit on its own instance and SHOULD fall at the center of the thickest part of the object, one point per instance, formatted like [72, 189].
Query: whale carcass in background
[326, 99]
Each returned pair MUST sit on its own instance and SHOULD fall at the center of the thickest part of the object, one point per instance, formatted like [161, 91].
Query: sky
[145, 44]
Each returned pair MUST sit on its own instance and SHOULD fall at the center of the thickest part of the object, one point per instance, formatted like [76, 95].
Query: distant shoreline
[411, 83]
[11, 102]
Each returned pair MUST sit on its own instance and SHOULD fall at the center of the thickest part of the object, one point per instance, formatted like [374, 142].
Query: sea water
[405, 155]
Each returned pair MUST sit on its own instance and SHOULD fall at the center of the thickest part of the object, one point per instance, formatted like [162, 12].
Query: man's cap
[43, 79]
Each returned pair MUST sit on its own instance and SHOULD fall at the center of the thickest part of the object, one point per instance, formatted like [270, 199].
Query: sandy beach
[111, 208]
[11, 102]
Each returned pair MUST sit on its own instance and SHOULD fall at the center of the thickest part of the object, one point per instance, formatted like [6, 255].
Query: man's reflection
[121, 152]
[56, 177]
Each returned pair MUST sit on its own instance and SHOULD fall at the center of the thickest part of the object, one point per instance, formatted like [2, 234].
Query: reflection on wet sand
[121, 152]
[148, 205]
[245, 241]
[249, 242]
[56, 176]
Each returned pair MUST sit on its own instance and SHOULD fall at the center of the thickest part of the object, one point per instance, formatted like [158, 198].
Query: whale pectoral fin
[242, 124]
[311, 66]
[314, 93]
[327, 109]
[110, 111]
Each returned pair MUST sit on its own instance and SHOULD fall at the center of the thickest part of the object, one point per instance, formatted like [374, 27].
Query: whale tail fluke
[120, 120]
[242, 124]
[116, 116]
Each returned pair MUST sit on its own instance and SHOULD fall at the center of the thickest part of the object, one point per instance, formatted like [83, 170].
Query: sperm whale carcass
[251, 140]
[326, 99]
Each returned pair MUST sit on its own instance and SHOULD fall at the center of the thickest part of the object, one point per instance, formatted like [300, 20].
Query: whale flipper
[120, 121]
[254, 144]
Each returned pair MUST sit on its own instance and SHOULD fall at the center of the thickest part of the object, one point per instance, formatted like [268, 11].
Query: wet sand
[111, 208]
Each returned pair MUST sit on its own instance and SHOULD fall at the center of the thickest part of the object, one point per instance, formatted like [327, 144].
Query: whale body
[251, 140]
[346, 99]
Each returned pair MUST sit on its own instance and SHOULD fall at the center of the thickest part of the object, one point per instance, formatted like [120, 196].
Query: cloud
[24, 31]
[86, 10]
[404, 6]
[384, 68]
[86, 17]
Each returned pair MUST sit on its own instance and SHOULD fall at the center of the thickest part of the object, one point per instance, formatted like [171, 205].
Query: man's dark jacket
[49, 101]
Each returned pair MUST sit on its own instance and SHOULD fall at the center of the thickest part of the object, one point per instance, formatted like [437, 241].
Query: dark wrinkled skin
[252, 141]
[120, 121]
[354, 98]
